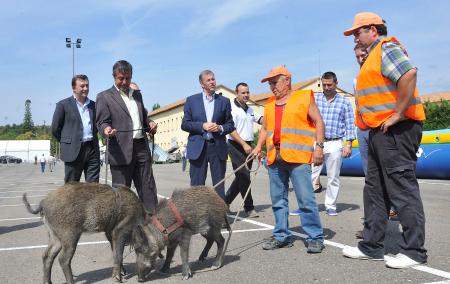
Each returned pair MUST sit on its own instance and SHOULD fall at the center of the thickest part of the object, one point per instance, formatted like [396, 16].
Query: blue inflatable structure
[433, 160]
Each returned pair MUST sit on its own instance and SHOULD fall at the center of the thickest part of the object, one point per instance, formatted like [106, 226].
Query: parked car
[10, 159]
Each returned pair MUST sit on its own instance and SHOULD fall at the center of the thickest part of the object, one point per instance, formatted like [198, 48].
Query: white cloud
[213, 20]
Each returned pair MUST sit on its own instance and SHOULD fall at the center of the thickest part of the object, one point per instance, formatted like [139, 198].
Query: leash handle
[106, 159]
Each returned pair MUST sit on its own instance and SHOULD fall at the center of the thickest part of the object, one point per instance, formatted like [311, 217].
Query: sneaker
[273, 243]
[354, 252]
[315, 246]
[331, 212]
[252, 214]
[401, 261]
[295, 212]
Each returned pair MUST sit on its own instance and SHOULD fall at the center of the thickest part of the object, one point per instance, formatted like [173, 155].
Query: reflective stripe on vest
[297, 133]
[376, 96]
[385, 107]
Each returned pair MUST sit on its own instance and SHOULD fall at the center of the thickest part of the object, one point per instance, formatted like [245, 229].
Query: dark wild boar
[87, 207]
[202, 211]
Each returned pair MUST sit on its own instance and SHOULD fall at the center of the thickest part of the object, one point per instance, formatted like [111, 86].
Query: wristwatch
[319, 144]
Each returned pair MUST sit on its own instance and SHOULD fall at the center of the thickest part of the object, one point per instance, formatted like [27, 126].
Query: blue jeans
[300, 174]
[363, 141]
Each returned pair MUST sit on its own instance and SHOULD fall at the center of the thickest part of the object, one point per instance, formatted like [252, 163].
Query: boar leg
[109, 237]
[54, 247]
[119, 234]
[209, 243]
[220, 241]
[184, 253]
[69, 245]
[170, 251]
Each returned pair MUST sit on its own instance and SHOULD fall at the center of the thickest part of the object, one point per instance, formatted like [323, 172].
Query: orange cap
[279, 70]
[364, 19]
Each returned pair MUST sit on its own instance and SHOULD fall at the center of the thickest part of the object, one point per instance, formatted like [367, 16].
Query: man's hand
[393, 119]
[318, 156]
[256, 152]
[347, 151]
[153, 126]
[211, 127]
[247, 148]
[110, 131]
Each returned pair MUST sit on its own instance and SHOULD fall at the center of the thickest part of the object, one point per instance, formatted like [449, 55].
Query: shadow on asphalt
[341, 207]
[6, 230]
[327, 233]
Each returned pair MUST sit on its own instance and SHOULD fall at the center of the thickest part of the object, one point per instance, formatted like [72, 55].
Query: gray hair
[203, 73]
[122, 66]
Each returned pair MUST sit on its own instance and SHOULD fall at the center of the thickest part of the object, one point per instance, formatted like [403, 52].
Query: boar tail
[222, 254]
[28, 206]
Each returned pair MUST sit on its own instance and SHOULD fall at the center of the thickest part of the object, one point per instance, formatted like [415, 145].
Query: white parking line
[106, 242]
[423, 268]
[9, 197]
[13, 205]
[17, 219]
[439, 282]
[36, 190]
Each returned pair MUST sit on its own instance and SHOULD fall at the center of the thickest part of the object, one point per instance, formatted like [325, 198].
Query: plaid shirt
[338, 117]
[394, 60]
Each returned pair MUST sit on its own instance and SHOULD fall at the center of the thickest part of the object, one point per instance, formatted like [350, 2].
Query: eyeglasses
[358, 32]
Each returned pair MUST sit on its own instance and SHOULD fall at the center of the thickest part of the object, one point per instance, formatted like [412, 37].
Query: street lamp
[70, 44]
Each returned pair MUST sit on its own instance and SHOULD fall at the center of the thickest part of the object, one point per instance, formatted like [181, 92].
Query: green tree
[27, 124]
[156, 106]
[438, 115]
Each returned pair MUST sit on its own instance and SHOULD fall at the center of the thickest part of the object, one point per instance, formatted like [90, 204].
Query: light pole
[70, 44]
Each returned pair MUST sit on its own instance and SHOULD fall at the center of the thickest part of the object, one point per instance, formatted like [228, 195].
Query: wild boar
[202, 211]
[87, 207]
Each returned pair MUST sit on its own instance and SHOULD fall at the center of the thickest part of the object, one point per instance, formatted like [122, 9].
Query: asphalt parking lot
[23, 238]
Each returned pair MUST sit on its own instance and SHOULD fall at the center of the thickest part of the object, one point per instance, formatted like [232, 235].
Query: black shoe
[319, 189]
[358, 235]
[273, 243]
[315, 246]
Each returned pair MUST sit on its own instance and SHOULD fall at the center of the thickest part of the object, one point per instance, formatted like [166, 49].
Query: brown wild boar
[202, 211]
[87, 207]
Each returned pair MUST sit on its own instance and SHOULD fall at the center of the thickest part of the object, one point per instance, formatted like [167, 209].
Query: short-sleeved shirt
[394, 60]
[244, 117]
[338, 116]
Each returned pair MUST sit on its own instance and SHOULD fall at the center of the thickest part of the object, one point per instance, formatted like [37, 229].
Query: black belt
[332, 139]
[211, 141]
[138, 139]
[84, 143]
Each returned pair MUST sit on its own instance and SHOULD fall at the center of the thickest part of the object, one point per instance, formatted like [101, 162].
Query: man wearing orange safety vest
[292, 124]
[387, 103]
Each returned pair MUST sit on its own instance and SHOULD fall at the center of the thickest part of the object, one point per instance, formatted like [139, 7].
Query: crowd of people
[301, 131]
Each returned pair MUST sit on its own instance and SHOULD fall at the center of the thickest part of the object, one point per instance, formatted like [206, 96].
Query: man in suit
[73, 125]
[122, 117]
[207, 118]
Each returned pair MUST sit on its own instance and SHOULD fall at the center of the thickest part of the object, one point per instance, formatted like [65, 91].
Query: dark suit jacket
[195, 116]
[112, 111]
[68, 128]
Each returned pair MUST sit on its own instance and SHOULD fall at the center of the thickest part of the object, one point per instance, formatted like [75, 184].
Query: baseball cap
[279, 70]
[364, 19]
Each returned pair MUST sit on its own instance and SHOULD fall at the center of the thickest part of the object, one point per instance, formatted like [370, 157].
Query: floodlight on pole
[70, 44]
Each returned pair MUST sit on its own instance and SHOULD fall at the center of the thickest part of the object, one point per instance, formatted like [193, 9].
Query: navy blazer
[195, 116]
[68, 128]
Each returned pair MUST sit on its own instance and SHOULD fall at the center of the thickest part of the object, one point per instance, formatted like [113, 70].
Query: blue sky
[169, 42]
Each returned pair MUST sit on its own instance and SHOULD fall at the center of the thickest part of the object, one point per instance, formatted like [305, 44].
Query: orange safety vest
[376, 95]
[297, 134]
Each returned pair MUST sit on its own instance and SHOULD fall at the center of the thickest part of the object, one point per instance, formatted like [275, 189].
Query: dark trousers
[199, 167]
[242, 177]
[140, 172]
[88, 161]
[391, 180]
